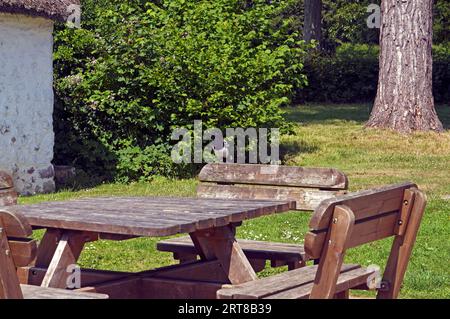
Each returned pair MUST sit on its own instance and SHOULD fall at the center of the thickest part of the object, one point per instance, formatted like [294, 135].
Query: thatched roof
[51, 9]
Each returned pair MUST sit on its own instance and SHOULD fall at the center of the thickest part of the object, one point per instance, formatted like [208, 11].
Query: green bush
[351, 74]
[139, 69]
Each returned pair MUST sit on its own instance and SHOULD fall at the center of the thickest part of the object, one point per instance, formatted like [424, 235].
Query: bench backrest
[359, 218]
[8, 196]
[306, 186]
[16, 250]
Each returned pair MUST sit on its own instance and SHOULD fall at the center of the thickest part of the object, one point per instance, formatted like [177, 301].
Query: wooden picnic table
[211, 223]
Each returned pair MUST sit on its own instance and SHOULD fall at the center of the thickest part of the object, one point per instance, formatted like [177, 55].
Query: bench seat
[295, 284]
[36, 292]
[279, 254]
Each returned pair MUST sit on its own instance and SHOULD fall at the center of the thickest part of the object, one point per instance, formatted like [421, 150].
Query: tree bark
[404, 100]
[312, 29]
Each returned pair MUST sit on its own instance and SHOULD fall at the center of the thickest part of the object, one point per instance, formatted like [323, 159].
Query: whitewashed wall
[26, 102]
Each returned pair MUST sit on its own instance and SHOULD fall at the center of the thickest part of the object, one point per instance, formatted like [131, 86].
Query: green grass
[325, 136]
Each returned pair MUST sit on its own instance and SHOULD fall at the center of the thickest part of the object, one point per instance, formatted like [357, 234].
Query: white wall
[26, 102]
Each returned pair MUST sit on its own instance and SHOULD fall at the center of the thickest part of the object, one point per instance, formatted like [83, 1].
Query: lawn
[325, 136]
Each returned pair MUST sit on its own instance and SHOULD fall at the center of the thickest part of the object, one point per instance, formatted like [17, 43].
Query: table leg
[67, 252]
[221, 243]
[47, 247]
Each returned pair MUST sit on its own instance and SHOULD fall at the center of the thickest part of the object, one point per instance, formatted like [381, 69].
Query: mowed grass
[325, 136]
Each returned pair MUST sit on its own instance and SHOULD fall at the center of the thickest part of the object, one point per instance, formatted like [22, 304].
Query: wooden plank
[67, 253]
[89, 277]
[279, 283]
[198, 270]
[364, 231]
[221, 244]
[36, 292]
[253, 249]
[333, 253]
[325, 178]
[159, 288]
[23, 251]
[305, 198]
[14, 223]
[402, 249]
[365, 204]
[123, 288]
[347, 280]
[9, 283]
[47, 247]
[408, 203]
[151, 217]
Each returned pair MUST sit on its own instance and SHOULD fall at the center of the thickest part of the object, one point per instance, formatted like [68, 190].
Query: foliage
[138, 69]
[441, 23]
[351, 74]
[346, 22]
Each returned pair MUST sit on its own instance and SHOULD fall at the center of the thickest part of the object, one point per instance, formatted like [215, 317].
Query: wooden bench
[306, 186]
[17, 250]
[340, 224]
[8, 196]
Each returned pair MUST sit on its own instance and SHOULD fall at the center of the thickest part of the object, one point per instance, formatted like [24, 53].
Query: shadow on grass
[319, 113]
[444, 115]
[292, 148]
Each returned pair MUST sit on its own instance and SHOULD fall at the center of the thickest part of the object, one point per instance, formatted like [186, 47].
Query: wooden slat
[253, 249]
[364, 231]
[142, 216]
[23, 251]
[333, 254]
[306, 198]
[408, 204]
[268, 286]
[324, 178]
[200, 271]
[14, 223]
[364, 204]
[161, 288]
[36, 292]
[9, 283]
[89, 277]
[347, 280]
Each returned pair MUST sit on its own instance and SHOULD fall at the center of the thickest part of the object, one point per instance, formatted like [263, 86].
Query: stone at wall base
[64, 174]
[8, 196]
[36, 179]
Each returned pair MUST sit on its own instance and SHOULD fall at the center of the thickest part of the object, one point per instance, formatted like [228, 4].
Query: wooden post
[333, 253]
[221, 243]
[401, 250]
[9, 283]
[47, 247]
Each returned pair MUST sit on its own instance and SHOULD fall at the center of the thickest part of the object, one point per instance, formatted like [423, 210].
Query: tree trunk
[404, 99]
[312, 29]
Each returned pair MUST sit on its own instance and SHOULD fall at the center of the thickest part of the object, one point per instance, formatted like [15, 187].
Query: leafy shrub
[351, 74]
[441, 73]
[139, 69]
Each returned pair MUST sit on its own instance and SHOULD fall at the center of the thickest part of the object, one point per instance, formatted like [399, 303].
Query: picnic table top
[147, 216]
